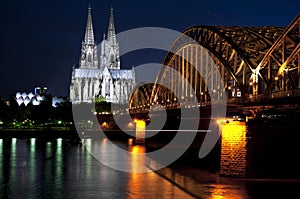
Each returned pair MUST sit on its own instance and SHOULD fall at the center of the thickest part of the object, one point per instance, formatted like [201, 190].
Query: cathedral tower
[110, 55]
[84, 83]
[89, 57]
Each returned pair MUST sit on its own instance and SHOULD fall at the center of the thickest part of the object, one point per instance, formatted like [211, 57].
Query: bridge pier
[233, 149]
[140, 133]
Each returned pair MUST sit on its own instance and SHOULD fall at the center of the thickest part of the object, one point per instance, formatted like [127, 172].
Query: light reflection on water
[58, 168]
[62, 168]
[117, 155]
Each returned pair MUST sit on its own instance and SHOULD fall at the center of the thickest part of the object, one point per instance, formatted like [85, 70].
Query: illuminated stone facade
[105, 78]
[233, 150]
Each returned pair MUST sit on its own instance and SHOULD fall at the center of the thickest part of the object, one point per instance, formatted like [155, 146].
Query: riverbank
[38, 133]
[63, 133]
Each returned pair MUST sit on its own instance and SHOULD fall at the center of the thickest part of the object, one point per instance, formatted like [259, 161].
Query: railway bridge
[238, 66]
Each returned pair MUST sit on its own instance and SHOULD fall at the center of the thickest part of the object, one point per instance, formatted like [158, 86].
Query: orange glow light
[140, 131]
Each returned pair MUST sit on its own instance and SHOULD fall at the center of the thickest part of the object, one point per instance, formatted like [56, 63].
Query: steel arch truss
[257, 62]
[253, 61]
[140, 97]
[236, 51]
[281, 64]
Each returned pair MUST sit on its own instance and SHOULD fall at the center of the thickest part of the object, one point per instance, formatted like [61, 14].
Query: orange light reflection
[233, 149]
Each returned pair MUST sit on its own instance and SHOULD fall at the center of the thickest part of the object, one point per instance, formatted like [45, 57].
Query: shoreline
[62, 133]
[38, 133]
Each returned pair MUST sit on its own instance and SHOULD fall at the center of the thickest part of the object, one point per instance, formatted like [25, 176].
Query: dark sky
[40, 39]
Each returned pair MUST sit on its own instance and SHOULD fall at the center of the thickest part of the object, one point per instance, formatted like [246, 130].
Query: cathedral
[100, 75]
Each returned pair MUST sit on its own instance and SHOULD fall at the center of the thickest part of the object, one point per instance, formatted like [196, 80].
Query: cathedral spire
[89, 57]
[111, 34]
[89, 33]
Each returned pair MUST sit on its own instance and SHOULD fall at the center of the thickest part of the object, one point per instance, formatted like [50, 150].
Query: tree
[99, 99]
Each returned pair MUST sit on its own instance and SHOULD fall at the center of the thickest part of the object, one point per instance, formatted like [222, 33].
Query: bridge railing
[283, 94]
[261, 97]
[239, 100]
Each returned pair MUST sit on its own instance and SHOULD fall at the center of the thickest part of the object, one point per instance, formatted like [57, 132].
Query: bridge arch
[231, 49]
[140, 97]
[255, 63]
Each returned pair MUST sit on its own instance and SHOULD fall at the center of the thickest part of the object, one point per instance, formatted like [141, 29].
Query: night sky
[41, 39]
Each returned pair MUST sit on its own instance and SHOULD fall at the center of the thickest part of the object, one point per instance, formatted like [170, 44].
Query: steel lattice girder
[243, 51]
[248, 44]
[141, 95]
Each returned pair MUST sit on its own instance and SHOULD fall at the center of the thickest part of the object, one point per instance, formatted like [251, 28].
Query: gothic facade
[101, 75]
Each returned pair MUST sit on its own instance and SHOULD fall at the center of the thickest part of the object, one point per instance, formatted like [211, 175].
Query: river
[64, 168]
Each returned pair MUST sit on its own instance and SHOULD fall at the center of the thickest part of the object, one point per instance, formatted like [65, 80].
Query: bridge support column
[233, 149]
[255, 84]
[140, 131]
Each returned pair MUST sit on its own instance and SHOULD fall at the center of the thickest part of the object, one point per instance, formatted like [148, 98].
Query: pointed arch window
[112, 58]
[107, 88]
